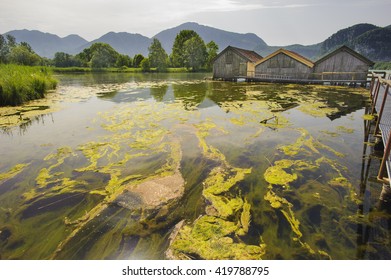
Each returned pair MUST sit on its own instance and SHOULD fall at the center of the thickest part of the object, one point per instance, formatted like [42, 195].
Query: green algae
[330, 133]
[217, 187]
[287, 172]
[344, 129]
[317, 109]
[340, 181]
[368, 117]
[275, 201]
[15, 170]
[285, 207]
[307, 144]
[128, 153]
[277, 175]
[107, 157]
[245, 218]
[210, 238]
[227, 213]
[203, 131]
[222, 180]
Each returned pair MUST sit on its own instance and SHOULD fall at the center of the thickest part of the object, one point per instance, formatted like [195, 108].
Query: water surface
[132, 166]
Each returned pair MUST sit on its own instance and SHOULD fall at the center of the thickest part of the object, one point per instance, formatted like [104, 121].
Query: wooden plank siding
[342, 64]
[234, 62]
[284, 64]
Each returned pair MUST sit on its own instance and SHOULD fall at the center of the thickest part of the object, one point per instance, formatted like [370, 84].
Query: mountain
[123, 42]
[375, 44]
[367, 39]
[46, 44]
[220, 37]
[345, 36]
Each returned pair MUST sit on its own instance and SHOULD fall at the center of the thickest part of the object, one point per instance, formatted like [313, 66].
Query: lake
[173, 166]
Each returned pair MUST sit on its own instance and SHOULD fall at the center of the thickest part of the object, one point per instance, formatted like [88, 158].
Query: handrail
[376, 82]
[382, 80]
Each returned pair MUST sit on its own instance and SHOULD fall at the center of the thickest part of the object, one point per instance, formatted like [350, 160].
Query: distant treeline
[382, 66]
[189, 51]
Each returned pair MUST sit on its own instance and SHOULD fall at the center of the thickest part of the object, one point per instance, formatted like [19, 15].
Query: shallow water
[270, 171]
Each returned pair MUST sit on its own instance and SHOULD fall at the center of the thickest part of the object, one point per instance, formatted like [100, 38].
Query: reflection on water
[134, 166]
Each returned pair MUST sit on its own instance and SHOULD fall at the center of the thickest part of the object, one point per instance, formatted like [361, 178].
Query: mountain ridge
[368, 39]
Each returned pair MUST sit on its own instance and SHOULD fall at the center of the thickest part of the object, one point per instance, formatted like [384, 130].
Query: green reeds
[19, 84]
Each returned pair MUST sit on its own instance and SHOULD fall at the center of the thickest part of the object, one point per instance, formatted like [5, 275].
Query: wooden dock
[324, 78]
[381, 124]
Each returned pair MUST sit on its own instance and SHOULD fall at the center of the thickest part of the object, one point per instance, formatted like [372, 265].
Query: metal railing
[381, 107]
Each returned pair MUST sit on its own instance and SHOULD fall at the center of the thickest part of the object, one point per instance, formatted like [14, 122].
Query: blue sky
[277, 22]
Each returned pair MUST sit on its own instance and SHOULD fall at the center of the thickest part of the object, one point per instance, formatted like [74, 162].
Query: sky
[278, 23]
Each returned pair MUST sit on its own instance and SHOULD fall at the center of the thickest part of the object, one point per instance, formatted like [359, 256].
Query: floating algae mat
[171, 166]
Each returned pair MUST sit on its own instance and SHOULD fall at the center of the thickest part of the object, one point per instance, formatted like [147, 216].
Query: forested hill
[371, 41]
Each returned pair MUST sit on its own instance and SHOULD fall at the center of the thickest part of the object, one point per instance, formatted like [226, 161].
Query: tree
[21, 54]
[99, 55]
[178, 55]
[137, 60]
[212, 48]
[123, 60]
[11, 41]
[27, 46]
[145, 65]
[62, 59]
[195, 53]
[157, 55]
[4, 49]
[102, 58]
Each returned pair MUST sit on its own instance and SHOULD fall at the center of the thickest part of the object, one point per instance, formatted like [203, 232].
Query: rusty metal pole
[383, 165]
[381, 110]
[375, 95]
[372, 84]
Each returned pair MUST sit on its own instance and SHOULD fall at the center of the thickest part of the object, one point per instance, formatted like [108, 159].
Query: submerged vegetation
[191, 170]
[19, 84]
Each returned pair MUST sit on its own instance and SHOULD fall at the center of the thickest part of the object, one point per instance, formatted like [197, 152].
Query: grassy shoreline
[19, 84]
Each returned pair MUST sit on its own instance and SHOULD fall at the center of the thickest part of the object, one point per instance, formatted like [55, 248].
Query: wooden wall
[284, 65]
[229, 65]
[341, 62]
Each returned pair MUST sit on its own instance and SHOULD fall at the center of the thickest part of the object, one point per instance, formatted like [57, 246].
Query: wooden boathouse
[233, 62]
[341, 66]
[285, 65]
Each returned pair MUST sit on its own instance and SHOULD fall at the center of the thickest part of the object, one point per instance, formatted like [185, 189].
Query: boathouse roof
[348, 50]
[291, 54]
[251, 56]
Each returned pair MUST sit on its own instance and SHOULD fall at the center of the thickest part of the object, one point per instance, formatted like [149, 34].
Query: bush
[19, 84]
